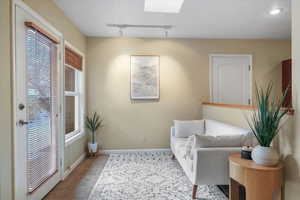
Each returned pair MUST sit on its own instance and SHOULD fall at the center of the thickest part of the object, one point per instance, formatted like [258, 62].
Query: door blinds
[41, 109]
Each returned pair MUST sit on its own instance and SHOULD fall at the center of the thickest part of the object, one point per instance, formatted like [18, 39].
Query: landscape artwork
[144, 77]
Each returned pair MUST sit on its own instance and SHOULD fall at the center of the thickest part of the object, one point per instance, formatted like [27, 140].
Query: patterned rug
[147, 176]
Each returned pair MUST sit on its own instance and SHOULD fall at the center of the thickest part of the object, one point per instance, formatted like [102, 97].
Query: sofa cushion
[179, 144]
[204, 141]
[215, 128]
[184, 129]
[189, 163]
[188, 146]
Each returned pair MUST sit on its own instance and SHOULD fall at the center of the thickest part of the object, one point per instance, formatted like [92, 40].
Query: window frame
[79, 95]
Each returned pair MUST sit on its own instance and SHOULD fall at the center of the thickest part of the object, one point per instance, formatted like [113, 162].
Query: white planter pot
[266, 156]
[93, 147]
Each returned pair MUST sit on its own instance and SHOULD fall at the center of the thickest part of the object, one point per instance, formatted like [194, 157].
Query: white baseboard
[74, 165]
[110, 151]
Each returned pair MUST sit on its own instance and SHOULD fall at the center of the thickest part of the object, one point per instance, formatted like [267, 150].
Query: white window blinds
[41, 109]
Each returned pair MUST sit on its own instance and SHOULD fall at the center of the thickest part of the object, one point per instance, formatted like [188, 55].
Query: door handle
[21, 106]
[22, 122]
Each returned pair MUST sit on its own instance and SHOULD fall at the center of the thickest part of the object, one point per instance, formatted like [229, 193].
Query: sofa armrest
[211, 165]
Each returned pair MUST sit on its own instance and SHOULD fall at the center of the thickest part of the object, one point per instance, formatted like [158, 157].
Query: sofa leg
[195, 187]
[173, 157]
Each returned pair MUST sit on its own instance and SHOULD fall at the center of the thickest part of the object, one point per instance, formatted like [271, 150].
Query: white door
[37, 120]
[231, 79]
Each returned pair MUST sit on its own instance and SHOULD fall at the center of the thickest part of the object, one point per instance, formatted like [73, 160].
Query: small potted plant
[93, 124]
[265, 124]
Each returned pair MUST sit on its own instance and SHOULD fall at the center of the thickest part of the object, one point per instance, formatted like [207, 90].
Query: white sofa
[205, 166]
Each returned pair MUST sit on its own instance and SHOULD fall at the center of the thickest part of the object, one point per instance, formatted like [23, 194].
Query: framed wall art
[144, 76]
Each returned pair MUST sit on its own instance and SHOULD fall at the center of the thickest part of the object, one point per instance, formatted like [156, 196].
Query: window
[73, 95]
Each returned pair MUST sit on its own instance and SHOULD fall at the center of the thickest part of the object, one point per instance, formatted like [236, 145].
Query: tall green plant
[93, 124]
[264, 122]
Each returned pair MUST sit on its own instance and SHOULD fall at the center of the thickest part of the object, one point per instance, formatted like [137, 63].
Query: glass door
[37, 142]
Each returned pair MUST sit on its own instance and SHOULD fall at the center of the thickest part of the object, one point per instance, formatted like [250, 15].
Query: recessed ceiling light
[163, 6]
[276, 11]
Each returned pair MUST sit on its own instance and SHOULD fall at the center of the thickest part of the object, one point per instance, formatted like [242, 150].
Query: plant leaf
[264, 122]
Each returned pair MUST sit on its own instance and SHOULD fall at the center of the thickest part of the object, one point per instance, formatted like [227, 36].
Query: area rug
[147, 176]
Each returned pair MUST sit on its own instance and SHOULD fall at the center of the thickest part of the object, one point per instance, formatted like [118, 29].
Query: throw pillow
[188, 146]
[184, 129]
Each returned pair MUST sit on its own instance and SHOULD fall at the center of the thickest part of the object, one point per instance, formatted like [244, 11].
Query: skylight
[276, 11]
[163, 6]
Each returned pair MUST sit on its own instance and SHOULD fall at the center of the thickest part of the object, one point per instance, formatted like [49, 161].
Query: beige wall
[55, 16]
[293, 161]
[5, 103]
[184, 83]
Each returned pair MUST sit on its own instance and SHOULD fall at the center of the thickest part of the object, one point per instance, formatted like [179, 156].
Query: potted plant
[264, 123]
[93, 124]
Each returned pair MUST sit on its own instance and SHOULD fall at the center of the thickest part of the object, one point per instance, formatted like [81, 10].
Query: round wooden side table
[260, 182]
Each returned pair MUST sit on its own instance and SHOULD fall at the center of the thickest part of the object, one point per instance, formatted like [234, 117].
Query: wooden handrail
[243, 107]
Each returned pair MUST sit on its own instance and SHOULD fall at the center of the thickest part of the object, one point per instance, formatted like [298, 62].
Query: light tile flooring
[79, 184]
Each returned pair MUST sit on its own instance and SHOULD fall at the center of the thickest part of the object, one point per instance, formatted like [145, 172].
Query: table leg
[234, 190]
[278, 194]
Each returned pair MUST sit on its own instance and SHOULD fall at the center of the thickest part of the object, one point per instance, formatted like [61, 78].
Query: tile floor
[78, 185]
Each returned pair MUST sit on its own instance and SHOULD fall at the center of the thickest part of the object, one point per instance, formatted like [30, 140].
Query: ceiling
[240, 19]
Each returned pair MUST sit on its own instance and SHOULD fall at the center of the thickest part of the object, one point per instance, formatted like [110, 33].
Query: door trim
[20, 4]
[250, 56]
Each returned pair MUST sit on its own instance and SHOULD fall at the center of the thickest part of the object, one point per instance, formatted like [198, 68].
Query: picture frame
[144, 77]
